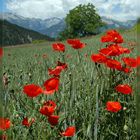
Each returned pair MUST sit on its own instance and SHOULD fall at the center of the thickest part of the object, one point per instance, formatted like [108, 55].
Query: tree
[82, 21]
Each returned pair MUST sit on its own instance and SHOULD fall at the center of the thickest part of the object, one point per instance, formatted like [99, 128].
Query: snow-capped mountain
[111, 23]
[53, 26]
[42, 26]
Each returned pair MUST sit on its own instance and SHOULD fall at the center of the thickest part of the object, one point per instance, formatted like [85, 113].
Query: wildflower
[4, 123]
[114, 50]
[131, 62]
[32, 90]
[56, 71]
[58, 47]
[75, 43]
[48, 108]
[98, 58]
[114, 64]
[138, 61]
[106, 38]
[124, 50]
[125, 89]
[51, 85]
[113, 106]
[53, 120]
[69, 132]
[63, 65]
[117, 38]
[27, 122]
[112, 36]
[50, 103]
[126, 70]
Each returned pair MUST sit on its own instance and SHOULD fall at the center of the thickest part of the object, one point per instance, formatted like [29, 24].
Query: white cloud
[127, 9]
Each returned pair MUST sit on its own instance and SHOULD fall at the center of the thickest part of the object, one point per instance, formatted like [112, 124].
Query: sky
[117, 9]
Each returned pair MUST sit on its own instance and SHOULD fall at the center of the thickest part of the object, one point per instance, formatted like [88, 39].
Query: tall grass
[81, 97]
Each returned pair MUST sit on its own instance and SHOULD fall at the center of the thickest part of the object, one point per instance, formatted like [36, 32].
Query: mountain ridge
[53, 26]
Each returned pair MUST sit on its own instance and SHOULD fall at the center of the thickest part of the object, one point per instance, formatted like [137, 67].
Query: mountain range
[12, 34]
[53, 26]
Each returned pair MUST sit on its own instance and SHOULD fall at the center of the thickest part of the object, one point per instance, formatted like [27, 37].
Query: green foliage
[12, 34]
[82, 21]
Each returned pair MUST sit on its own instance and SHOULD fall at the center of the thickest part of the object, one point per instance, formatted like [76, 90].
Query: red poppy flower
[3, 137]
[138, 61]
[124, 50]
[114, 50]
[106, 38]
[112, 36]
[75, 43]
[126, 70]
[114, 64]
[69, 132]
[4, 123]
[117, 38]
[27, 123]
[113, 106]
[48, 108]
[1, 52]
[98, 58]
[125, 89]
[131, 62]
[72, 41]
[53, 120]
[58, 47]
[63, 65]
[51, 85]
[105, 51]
[50, 103]
[56, 71]
[32, 90]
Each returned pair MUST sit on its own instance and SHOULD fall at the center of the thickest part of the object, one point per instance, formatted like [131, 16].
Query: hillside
[12, 34]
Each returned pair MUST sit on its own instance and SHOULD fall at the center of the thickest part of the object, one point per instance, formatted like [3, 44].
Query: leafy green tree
[82, 21]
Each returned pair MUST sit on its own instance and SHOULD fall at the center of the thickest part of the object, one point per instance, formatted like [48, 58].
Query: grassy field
[81, 98]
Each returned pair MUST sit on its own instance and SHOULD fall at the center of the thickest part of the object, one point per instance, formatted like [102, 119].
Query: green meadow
[81, 98]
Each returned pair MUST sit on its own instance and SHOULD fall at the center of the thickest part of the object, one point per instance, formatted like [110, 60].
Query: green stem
[79, 57]
[97, 116]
